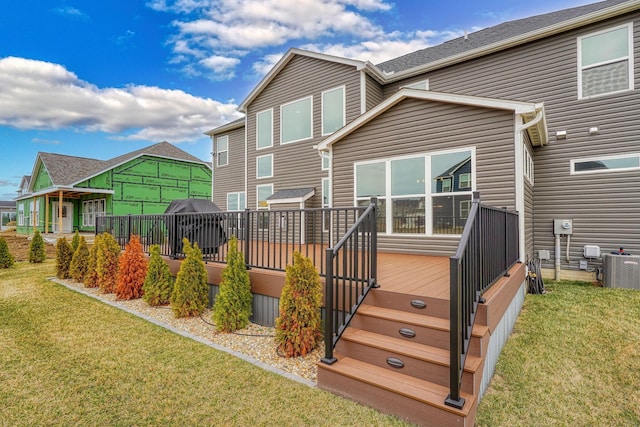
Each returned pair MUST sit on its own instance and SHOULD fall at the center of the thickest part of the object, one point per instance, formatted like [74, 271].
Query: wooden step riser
[424, 335]
[417, 368]
[434, 306]
[392, 403]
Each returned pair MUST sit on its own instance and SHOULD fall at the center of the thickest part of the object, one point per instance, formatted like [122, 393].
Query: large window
[332, 110]
[606, 164]
[223, 150]
[264, 166]
[605, 61]
[264, 129]
[426, 194]
[296, 121]
[92, 209]
[236, 201]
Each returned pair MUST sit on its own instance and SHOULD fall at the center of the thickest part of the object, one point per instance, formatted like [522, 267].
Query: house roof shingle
[68, 170]
[489, 36]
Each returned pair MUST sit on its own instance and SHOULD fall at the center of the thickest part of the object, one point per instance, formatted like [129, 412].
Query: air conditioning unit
[621, 271]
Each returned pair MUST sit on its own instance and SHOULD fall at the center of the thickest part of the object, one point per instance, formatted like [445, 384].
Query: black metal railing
[351, 272]
[488, 248]
[268, 238]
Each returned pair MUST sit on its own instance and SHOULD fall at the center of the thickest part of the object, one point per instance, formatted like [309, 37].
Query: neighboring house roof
[453, 169]
[7, 204]
[502, 36]
[291, 195]
[533, 114]
[66, 171]
[236, 124]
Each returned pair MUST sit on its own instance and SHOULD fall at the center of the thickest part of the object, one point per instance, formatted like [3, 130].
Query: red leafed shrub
[132, 270]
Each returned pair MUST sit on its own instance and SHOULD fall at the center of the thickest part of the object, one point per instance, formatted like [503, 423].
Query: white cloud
[220, 64]
[42, 95]
[46, 141]
[263, 66]
[71, 11]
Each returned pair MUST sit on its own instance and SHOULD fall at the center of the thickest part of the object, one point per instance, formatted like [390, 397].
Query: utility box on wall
[621, 271]
[562, 226]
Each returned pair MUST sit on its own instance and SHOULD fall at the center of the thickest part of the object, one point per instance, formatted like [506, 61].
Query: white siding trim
[519, 182]
[363, 92]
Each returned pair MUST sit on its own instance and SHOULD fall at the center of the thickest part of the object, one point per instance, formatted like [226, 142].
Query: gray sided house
[67, 193]
[324, 122]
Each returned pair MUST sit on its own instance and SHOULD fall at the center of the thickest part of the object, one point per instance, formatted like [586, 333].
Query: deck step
[411, 358]
[428, 330]
[416, 400]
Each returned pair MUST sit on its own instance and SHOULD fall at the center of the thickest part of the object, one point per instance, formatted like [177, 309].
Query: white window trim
[21, 215]
[270, 110]
[237, 194]
[258, 168]
[218, 151]
[89, 218]
[310, 123]
[468, 175]
[344, 107]
[428, 195]
[258, 201]
[325, 155]
[418, 83]
[528, 166]
[629, 58]
[573, 162]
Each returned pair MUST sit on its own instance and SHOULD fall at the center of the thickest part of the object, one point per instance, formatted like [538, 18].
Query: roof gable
[531, 113]
[291, 53]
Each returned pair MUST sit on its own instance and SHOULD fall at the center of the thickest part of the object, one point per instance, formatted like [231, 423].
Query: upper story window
[236, 201]
[332, 110]
[422, 84]
[222, 152]
[528, 166]
[264, 166]
[626, 162]
[296, 120]
[605, 61]
[326, 160]
[264, 129]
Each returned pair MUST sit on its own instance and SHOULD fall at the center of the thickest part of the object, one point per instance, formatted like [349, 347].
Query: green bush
[64, 254]
[189, 296]
[91, 276]
[299, 326]
[36, 249]
[75, 241]
[232, 308]
[6, 259]
[80, 261]
[158, 284]
[108, 256]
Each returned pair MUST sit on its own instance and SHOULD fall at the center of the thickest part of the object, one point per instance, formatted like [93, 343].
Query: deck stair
[394, 356]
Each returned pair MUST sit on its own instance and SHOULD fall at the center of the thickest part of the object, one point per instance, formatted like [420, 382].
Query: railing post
[506, 242]
[374, 242]
[247, 236]
[455, 337]
[328, 310]
[128, 236]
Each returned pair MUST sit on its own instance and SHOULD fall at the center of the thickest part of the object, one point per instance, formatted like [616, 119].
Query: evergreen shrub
[299, 326]
[36, 249]
[107, 263]
[80, 261]
[189, 296]
[158, 283]
[232, 308]
[6, 259]
[91, 275]
[64, 254]
[75, 241]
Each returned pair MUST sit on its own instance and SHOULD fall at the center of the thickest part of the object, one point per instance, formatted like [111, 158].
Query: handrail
[488, 248]
[351, 272]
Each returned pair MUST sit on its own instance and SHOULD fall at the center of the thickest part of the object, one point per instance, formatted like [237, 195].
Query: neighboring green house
[67, 193]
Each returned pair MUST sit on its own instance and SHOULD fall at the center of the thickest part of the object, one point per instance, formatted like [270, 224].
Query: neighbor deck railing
[267, 237]
[488, 248]
[351, 272]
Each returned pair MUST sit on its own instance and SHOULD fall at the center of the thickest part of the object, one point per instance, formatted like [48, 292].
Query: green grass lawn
[67, 359]
[573, 360]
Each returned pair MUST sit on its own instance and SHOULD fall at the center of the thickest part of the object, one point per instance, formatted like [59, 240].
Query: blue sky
[101, 78]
